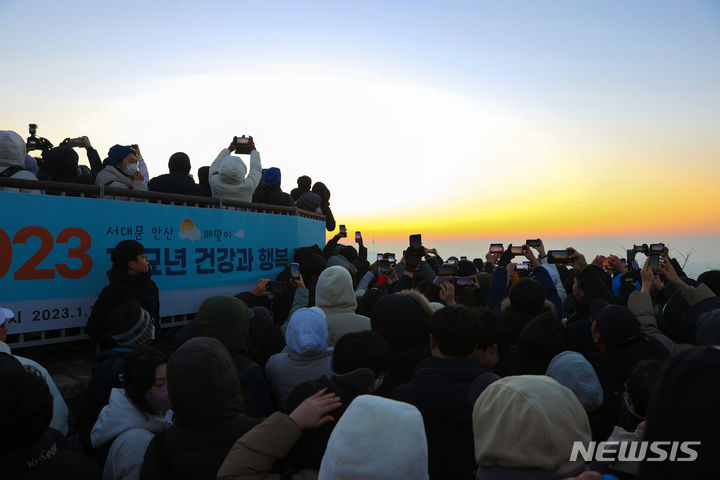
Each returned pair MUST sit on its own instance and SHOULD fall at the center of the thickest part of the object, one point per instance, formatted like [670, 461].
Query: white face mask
[132, 168]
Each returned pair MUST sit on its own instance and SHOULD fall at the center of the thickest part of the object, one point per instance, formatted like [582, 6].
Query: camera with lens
[34, 142]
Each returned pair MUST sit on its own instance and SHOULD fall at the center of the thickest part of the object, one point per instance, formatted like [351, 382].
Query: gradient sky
[457, 119]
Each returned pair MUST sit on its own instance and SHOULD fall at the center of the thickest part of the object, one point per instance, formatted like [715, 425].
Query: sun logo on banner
[188, 230]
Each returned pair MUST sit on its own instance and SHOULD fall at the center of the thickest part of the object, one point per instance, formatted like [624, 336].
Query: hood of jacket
[389, 433]
[339, 260]
[307, 332]
[573, 371]
[334, 290]
[232, 170]
[12, 150]
[534, 421]
[227, 319]
[203, 384]
[121, 415]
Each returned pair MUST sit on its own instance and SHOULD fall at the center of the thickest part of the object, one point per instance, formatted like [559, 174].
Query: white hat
[5, 314]
[376, 438]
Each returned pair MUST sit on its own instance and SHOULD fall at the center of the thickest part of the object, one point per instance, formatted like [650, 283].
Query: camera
[558, 256]
[533, 243]
[243, 144]
[642, 249]
[34, 142]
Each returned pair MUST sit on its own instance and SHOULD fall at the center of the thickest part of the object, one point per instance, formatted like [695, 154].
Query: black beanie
[179, 163]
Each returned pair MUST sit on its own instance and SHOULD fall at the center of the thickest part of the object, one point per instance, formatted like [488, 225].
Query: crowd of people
[424, 368]
[124, 167]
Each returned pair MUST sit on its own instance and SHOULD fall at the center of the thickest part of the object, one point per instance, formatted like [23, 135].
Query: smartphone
[391, 257]
[464, 281]
[654, 260]
[446, 269]
[343, 231]
[416, 240]
[517, 250]
[242, 144]
[380, 256]
[76, 142]
[278, 288]
[358, 237]
[295, 271]
[657, 247]
[385, 267]
[496, 248]
[533, 243]
[522, 266]
[558, 256]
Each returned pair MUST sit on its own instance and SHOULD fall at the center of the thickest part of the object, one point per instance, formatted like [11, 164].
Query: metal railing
[113, 193]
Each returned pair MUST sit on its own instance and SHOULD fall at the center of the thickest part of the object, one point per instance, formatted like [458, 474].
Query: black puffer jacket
[206, 396]
[438, 388]
[406, 327]
[45, 459]
[272, 195]
[122, 287]
[180, 183]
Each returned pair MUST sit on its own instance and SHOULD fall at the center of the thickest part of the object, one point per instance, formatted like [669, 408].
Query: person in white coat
[122, 170]
[12, 156]
[60, 409]
[134, 415]
[227, 173]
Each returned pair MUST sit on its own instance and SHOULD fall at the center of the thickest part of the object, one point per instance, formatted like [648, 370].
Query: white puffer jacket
[12, 154]
[130, 432]
[227, 176]
[112, 177]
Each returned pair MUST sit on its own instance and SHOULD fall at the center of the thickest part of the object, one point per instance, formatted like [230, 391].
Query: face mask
[132, 168]
[158, 399]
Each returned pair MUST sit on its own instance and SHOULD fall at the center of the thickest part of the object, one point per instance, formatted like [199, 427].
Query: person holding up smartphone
[229, 177]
